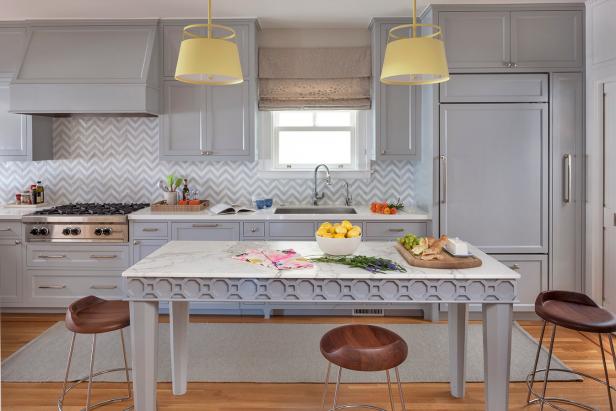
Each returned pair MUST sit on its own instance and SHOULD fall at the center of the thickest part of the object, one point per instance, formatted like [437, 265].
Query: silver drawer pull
[515, 267]
[149, 230]
[5, 229]
[206, 152]
[49, 257]
[104, 287]
[204, 225]
[396, 230]
[53, 287]
[103, 257]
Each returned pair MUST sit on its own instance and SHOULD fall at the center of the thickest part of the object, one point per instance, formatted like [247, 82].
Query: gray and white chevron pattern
[115, 159]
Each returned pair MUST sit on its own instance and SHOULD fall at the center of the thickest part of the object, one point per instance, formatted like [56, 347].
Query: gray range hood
[92, 67]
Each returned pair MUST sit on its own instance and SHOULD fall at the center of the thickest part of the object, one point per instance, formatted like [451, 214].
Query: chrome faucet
[328, 180]
[348, 200]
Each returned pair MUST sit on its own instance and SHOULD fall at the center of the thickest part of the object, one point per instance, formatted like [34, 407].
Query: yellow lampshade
[415, 61]
[212, 61]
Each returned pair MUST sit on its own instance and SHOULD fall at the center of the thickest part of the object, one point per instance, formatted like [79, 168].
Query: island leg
[497, 328]
[457, 318]
[144, 353]
[178, 315]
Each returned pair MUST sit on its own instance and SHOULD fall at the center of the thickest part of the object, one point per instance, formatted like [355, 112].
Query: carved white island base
[185, 271]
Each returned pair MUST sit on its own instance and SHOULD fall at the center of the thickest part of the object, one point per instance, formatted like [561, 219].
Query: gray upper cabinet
[182, 126]
[476, 39]
[395, 122]
[547, 39]
[12, 43]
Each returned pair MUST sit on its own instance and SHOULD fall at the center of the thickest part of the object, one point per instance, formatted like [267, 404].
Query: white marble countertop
[212, 259]
[14, 214]
[363, 213]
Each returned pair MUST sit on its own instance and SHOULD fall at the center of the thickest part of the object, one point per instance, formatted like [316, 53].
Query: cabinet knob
[136, 242]
[515, 267]
[514, 65]
[507, 64]
[17, 242]
[383, 152]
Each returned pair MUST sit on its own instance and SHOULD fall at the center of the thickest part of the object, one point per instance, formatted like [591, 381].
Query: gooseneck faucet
[328, 180]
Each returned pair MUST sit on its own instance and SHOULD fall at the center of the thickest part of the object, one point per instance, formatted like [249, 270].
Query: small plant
[173, 182]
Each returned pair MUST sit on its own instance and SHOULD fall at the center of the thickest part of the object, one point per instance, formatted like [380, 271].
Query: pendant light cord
[414, 18]
[209, 19]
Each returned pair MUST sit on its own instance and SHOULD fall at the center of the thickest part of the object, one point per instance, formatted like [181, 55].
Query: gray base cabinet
[143, 248]
[205, 231]
[533, 270]
[10, 271]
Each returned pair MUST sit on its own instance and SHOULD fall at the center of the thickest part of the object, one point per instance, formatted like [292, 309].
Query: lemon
[322, 231]
[347, 224]
[339, 236]
[326, 224]
[356, 227]
[328, 235]
[341, 230]
[353, 233]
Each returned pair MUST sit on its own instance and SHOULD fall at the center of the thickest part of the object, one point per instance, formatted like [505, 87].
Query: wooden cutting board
[448, 261]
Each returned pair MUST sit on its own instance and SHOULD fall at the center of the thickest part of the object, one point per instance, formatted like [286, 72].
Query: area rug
[276, 353]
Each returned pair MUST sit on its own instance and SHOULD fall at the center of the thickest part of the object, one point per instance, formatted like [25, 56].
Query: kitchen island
[185, 271]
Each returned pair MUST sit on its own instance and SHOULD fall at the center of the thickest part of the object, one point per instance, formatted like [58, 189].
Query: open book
[224, 208]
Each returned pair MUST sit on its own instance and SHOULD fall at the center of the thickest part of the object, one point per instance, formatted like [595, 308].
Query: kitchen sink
[315, 210]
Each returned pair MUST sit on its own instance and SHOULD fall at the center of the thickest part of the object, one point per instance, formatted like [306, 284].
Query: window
[303, 139]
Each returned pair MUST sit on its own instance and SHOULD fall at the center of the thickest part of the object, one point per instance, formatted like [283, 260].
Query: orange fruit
[393, 210]
[387, 210]
[373, 207]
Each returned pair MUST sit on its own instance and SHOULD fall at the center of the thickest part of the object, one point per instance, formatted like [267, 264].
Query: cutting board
[448, 261]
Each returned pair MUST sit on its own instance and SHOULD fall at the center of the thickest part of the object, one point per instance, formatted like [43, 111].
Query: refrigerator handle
[443, 179]
[568, 181]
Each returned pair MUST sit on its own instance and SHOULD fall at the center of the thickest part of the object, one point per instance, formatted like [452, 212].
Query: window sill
[309, 174]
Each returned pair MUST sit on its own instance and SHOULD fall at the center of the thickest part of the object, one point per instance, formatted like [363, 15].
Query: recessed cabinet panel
[13, 128]
[143, 248]
[476, 39]
[229, 120]
[533, 270]
[205, 231]
[495, 88]
[10, 271]
[184, 121]
[12, 42]
[547, 39]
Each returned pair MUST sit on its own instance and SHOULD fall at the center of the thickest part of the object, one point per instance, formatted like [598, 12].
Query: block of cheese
[455, 246]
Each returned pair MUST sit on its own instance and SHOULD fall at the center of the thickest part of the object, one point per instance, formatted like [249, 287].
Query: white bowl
[338, 246]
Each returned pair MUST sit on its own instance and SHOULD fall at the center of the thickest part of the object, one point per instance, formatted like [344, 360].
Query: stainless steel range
[83, 222]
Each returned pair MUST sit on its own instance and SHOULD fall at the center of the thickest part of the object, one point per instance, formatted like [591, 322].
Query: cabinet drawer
[205, 231]
[74, 287]
[533, 270]
[391, 230]
[10, 229]
[92, 257]
[287, 230]
[254, 230]
[495, 88]
[150, 230]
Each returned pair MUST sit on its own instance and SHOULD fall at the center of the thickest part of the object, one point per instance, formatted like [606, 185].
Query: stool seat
[362, 347]
[575, 311]
[93, 315]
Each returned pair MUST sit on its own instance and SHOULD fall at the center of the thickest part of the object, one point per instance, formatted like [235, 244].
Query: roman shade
[314, 78]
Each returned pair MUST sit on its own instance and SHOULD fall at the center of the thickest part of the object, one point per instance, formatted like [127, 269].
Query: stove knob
[75, 231]
[44, 231]
[98, 231]
[34, 231]
[107, 231]
[66, 231]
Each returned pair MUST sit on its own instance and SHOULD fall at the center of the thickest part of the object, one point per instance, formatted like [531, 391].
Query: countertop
[212, 259]
[363, 213]
[15, 214]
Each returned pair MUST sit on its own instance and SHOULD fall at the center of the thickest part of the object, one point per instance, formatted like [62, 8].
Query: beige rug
[279, 353]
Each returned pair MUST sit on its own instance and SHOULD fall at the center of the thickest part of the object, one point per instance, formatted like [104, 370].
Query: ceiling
[271, 13]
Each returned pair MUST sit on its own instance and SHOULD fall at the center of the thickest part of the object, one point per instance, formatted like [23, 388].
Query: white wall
[600, 68]
[314, 38]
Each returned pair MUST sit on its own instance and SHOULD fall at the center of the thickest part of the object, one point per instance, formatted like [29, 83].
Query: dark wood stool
[574, 311]
[92, 315]
[363, 348]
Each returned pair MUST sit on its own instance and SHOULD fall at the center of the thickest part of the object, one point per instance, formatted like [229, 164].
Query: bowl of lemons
[338, 239]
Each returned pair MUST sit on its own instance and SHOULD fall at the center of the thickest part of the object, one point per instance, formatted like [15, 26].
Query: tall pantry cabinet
[507, 131]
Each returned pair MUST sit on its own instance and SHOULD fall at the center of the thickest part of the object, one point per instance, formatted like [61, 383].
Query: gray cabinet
[379, 231]
[567, 128]
[395, 121]
[202, 122]
[143, 248]
[494, 175]
[10, 271]
[205, 231]
[533, 270]
[291, 230]
[487, 88]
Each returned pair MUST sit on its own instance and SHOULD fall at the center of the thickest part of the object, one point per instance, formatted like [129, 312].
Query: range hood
[94, 67]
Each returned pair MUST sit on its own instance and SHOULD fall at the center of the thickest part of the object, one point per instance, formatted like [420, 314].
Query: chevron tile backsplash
[114, 159]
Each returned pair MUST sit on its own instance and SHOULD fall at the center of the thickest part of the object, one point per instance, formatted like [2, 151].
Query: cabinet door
[547, 39]
[12, 42]
[567, 179]
[143, 248]
[183, 124]
[13, 130]
[229, 118]
[396, 125]
[476, 39]
[494, 176]
[533, 270]
[205, 231]
[10, 271]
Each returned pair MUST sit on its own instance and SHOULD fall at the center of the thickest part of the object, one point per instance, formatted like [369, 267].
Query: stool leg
[130, 391]
[88, 399]
[391, 398]
[68, 366]
[532, 380]
[607, 377]
[400, 392]
[613, 352]
[547, 368]
[329, 367]
[337, 388]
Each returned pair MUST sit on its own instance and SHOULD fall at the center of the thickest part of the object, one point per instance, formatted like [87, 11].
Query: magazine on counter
[224, 208]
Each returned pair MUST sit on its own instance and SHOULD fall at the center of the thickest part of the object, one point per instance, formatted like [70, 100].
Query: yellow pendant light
[414, 60]
[207, 59]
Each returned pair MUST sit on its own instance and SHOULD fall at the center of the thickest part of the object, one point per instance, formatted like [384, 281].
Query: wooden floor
[575, 349]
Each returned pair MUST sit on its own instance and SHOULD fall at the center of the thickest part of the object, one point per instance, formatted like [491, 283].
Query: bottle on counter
[185, 190]
[40, 190]
[33, 194]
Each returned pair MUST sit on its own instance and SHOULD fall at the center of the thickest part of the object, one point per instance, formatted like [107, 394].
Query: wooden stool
[363, 348]
[574, 311]
[92, 315]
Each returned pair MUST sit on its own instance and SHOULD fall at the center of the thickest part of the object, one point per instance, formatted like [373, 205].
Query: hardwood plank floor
[577, 350]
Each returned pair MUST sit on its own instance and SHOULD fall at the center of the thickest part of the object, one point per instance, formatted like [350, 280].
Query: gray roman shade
[313, 78]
